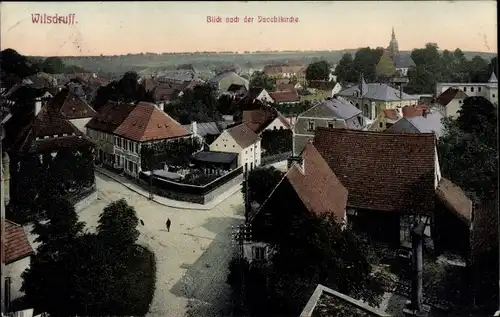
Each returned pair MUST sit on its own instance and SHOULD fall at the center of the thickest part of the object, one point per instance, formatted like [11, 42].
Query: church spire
[393, 36]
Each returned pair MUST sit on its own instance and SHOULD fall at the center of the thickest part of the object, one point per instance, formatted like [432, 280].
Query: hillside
[206, 61]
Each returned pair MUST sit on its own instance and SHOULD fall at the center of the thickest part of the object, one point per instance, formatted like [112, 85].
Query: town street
[191, 260]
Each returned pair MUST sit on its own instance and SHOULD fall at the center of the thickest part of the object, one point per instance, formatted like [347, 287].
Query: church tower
[393, 45]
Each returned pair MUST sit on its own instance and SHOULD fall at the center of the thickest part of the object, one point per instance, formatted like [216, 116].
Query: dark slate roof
[341, 109]
[204, 128]
[50, 131]
[403, 61]
[215, 157]
[377, 91]
[399, 178]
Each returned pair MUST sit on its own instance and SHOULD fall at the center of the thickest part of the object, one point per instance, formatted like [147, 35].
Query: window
[136, 148]
[310, 125]
[471, 89]
[381, 125]
[251, 165]
[460, 101]
[259, 253]
[479, 89]
[465, 88]
[493, 95]
[330, 125]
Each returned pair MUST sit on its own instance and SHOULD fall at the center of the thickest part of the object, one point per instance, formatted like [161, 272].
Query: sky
[114, 28]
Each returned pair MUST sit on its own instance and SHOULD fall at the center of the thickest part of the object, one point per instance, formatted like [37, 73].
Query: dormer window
[310, 125]
[471, 89]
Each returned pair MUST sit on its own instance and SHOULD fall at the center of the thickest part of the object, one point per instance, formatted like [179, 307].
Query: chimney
[415, 306]
[194, 127]
[38, 105]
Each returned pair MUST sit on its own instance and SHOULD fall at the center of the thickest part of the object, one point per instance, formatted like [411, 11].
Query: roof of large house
[455, 199]
[284, 96]
[382, 171]
[72, 106]
[146, 123]
[251, 94]
[50, 131]
[449, 94]
[341, 109]
[377, 91]
[317, 185]
[243, 135]
[17, 245]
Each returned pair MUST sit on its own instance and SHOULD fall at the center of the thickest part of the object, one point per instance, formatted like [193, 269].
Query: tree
[493, 66]
[118, 226]
[16, 64]
[309, 250]
[344, 70]
[318, 71]
[53, 65]
[46, 282]
[127, 90]
[171, 152]
[365, 62]
[261, 80]
[467, 152]
[385, 68]
[261, 182]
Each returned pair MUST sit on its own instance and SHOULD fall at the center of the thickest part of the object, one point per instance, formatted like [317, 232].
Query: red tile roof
[284, 96]
[147, 123]
[17, 245]
[72, 106]
[317, 185]
[455, 199]
[449, 94]
[243, 135]
[382, 171]
[414, 110]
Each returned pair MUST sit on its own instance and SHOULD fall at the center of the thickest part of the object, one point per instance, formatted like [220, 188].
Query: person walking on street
[168, 224]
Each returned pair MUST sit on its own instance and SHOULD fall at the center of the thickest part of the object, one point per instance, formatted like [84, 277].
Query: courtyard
[191, 260]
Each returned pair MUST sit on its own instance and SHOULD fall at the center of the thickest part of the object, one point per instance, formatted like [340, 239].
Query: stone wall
[208, 197]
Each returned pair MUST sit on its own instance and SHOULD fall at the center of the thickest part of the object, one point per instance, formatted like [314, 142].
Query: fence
[181, 188]
[270, 159]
